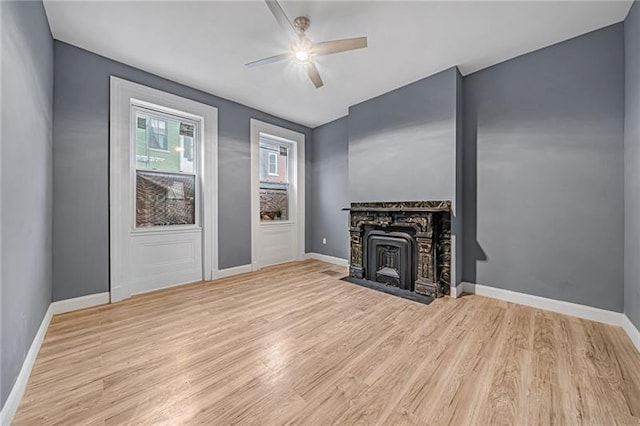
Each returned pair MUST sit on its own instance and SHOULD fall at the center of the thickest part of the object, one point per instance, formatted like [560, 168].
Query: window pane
[274, 162]
[164, 144]
[164, 199]
[274, 180]
[186, 159]
[274, 201]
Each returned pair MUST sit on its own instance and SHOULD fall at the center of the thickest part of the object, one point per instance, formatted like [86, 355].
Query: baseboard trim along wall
[228, 272]
[329, 259]
[59, 307]
[77, 303]
[561, 307]
[567, 308]
[243, 269]
[456, 292]
[15, 396]
[632, 331]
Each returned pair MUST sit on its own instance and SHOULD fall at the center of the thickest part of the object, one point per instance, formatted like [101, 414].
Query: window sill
[165, 229]
[276, 222]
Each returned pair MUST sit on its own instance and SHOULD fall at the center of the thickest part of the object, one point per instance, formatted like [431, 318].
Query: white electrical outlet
[324, 241]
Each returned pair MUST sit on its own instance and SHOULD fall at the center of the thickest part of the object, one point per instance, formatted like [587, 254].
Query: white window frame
[297, 205]
[122, 92]
[166, 114]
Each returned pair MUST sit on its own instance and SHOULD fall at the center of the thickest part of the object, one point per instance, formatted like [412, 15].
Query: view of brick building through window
[165, 170]
[274, 180]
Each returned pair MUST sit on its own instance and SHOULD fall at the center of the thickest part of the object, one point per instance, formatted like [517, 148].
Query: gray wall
[329, 190]
[543, 190]
[80, 158]
[403, 145]
[27, 110]
[632, 165]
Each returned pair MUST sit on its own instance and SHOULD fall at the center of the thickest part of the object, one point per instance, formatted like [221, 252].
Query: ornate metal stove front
[426, 223]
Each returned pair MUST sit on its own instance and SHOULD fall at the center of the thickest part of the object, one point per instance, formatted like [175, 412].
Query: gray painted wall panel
[81, 148]
[543, 183]
[403, 146]
[632, 165]
[26, 168]
[329, 190]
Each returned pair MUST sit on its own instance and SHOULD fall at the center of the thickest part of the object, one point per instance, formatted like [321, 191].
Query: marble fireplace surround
[430, 224]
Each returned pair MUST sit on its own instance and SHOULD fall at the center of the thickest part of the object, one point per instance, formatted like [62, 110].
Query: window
[165, 199]
[274, 180]
[157, 134]
[273, 164]
[166, 155]
[177, 139]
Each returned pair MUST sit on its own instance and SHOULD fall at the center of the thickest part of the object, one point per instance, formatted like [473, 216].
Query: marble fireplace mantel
[402, 206]
[430, 223]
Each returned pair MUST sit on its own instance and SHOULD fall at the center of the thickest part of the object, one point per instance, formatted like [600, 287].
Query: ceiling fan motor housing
[301, 23]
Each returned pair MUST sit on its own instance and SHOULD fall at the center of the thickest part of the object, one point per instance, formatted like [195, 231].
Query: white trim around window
[122, 94]
[257, 128]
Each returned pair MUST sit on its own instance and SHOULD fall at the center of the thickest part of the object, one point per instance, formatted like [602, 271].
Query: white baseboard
[77, 303]
[15, 396]
[329, 259]
[59, 307]
[559, 306]
[242, 269]
[632, 331]
[456, 292]
[119, 294]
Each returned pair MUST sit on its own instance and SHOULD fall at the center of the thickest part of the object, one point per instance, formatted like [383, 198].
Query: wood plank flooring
[293, 344]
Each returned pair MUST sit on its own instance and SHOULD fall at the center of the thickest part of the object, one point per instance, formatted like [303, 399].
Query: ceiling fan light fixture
[302, 56]
[303, 51]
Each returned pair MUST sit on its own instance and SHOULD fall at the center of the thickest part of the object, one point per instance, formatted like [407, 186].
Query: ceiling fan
[304, 50]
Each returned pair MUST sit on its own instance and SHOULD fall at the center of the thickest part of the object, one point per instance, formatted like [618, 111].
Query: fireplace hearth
[402, 244]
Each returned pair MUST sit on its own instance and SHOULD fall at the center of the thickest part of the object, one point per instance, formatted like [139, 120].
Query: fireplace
[390, 257]
[402, 244]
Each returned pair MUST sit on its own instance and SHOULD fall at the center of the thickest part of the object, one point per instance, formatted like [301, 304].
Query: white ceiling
[206, 44]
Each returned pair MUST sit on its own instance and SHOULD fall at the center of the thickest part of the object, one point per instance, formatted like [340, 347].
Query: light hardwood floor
[294, 344]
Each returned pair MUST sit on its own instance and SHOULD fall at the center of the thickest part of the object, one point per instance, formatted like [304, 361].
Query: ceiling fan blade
[337, 46]
[270, 60]
[314, 75]
[281, 17]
